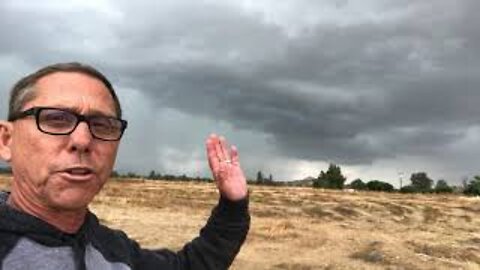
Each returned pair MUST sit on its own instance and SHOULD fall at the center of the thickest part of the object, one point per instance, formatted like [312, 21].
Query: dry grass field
[302, 228]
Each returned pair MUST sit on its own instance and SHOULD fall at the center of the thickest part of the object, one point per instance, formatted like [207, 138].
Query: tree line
[333, 178]
[419, 183]
[153, 175]
[5, 170]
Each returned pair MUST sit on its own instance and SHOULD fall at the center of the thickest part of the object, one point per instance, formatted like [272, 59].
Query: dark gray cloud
[320, 93]
[297, 81]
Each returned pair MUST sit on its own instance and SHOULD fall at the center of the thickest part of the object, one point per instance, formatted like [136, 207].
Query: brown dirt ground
[303, 228]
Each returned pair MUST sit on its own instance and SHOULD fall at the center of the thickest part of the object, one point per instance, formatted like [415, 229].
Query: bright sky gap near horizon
[377, 87]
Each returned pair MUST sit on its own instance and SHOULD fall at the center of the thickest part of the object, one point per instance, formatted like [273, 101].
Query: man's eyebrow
[100, 113]
[92, 112]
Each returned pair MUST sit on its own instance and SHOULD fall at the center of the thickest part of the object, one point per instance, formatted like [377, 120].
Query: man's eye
[105, 124]
[100, 125]
[56, 117]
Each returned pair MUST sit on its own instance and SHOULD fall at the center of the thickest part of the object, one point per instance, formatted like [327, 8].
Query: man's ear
[6, 132]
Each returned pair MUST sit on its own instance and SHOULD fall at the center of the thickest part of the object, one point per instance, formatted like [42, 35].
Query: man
[61, 139]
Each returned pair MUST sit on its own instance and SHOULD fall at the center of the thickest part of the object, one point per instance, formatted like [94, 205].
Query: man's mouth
[78, 173]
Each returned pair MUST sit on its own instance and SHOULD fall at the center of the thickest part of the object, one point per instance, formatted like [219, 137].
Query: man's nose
[81, 138]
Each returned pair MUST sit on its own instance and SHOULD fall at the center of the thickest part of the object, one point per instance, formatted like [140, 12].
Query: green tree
[443, 187]
[358, 184]
[132, 175]
[152, 175]
[5, 170]
[408, 189]
[114, 174]
[333, 178]
[421, 182]
[473, 186]
[376, 185]
[260, 178]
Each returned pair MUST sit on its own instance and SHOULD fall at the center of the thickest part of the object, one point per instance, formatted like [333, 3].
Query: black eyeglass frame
[35, 111]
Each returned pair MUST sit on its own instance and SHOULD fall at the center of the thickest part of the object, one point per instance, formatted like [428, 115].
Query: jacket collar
[23, 224]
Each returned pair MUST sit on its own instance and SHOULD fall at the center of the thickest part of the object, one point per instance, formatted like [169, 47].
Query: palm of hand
[226, 169]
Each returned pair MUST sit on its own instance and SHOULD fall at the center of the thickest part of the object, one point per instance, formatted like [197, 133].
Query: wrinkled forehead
[75, 91]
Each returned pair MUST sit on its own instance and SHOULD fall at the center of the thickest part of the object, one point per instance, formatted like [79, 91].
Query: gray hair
[24, 91]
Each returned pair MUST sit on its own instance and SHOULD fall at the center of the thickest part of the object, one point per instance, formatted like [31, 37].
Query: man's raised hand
[225, 167]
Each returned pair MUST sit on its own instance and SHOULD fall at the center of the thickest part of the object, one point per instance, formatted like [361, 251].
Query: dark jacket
[29, 243]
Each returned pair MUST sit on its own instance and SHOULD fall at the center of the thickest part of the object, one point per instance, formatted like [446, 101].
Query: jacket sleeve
[215, 248]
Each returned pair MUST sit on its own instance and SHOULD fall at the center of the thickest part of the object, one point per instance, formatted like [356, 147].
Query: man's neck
[65, 221]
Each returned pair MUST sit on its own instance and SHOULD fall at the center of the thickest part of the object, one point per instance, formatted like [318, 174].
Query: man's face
[63, 172]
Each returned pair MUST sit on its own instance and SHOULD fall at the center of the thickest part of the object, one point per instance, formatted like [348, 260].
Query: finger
[213, 161]
[225, 148]
[234, 153]
[218, 149]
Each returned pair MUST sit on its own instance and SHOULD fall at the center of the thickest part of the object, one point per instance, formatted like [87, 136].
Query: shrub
[473, 187]
[376, 185]
[358, 184]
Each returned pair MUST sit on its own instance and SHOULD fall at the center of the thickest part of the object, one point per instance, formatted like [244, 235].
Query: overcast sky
[378, 87]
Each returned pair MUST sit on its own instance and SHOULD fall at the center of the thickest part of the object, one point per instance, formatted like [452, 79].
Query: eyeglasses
[56, 121]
